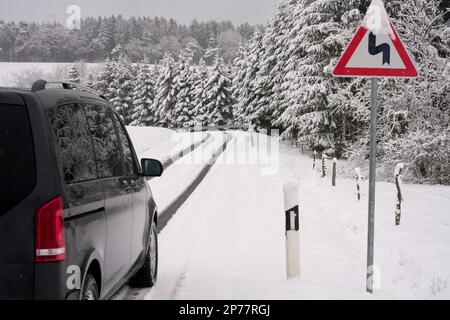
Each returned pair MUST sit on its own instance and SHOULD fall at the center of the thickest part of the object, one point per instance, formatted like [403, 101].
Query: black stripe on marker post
[292, 223]
[359, 191]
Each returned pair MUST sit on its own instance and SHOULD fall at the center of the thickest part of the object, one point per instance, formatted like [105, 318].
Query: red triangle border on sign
[342, 71]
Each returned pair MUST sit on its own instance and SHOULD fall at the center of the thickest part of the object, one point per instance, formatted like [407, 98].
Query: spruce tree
[200, 79]
[165, 98]
[245, 82]
[278, 46]
[183, 84]
[121, 89]
[212, 53]
[143, 96]
[219, 96]
[239, 87]
[90, 81]
[317, 43]
[105, 77]
[73, 75]
[266, 106]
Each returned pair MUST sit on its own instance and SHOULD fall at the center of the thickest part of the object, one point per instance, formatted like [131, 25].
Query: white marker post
[324, 165]
[333, 179]
[251, 135]
[398, 183]
[314, 160]
[358, 182]
[292, 230]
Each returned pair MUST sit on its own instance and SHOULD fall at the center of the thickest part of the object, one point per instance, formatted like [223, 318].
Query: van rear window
[17, 160]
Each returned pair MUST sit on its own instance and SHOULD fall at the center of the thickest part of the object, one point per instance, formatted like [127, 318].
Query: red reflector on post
[50, 235]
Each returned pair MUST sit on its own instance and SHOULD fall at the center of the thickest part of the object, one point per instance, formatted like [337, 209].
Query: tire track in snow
[174, 280]
[168, 162]
[167, 214]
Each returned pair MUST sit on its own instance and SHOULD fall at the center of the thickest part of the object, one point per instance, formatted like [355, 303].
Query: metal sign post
[375, 51]
[372, 180]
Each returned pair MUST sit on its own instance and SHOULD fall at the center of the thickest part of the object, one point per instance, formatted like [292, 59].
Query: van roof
[56, 97]
[52, 97]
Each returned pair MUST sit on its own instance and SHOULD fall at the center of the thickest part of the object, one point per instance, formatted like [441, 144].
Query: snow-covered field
[28, 72]
[227, 241]
[10, 72]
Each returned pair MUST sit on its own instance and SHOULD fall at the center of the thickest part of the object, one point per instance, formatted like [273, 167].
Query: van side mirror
[151, 168]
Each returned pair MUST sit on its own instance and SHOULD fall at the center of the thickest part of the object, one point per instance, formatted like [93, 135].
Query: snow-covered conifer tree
[143, 96]
[278, 47]
[121, 88]
[200, 79]
[212, 53]
[185, 94]
[244, 83]
[90, 81]
[260, 67]
[165, 98]
[238, 90]
[316, 39]
[73, 75]
[219, 99]
[266, 106]
[105, 77]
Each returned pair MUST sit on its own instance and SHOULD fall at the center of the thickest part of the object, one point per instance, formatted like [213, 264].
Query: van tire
[90, 289]
[147, 275]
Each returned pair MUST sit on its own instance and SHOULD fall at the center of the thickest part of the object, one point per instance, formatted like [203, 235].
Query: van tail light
[50, 234]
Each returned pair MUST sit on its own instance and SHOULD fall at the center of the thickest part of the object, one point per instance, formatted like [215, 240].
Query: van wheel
[90, 289]
[147, 275]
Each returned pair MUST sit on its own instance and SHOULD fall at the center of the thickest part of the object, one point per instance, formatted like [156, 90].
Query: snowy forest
[281, 77]
[142, 36]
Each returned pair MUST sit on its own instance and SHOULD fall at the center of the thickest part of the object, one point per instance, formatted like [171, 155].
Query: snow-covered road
[220, 244]
[227, 240]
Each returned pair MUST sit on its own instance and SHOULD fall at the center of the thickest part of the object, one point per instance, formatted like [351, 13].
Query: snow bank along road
[188, 174]
[227, 239]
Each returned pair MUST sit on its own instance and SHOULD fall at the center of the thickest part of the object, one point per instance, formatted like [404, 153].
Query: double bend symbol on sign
[382, 48]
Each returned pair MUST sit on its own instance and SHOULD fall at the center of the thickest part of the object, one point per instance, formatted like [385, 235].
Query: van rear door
[17, 182]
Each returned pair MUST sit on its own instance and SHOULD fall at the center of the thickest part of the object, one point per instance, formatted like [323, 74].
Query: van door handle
[134, 187]
[129, 185]
[124, 184]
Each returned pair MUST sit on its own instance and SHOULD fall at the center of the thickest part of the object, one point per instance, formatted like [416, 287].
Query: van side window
[127, 154]
[106, 142]
[74, 144]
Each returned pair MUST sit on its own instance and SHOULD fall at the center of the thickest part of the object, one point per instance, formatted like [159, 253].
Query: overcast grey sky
[238, 11]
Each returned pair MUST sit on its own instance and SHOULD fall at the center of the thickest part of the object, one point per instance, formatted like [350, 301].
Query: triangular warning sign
[376, 51]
